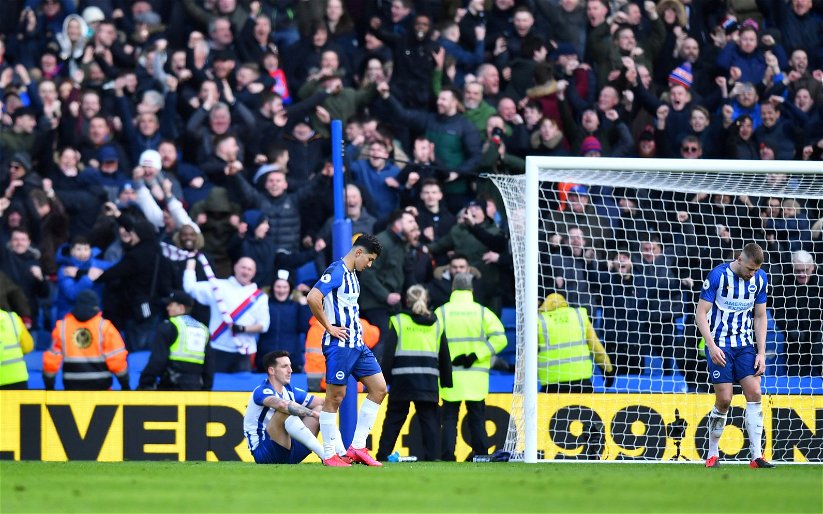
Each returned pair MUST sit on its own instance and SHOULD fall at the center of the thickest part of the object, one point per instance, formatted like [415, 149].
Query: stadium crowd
[145, 140]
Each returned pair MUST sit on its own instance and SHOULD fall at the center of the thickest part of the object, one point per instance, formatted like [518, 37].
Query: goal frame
[532, 222]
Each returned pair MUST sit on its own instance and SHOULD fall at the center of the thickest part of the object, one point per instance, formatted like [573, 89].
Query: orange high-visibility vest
[90, 352]
[316, 363]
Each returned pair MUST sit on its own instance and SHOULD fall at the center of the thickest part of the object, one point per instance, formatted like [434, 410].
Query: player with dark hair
[333, 301]
[280, 423]
[732, 302]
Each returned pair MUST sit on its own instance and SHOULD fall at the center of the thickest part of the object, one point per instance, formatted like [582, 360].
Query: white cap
[92, 14]
[151, 159]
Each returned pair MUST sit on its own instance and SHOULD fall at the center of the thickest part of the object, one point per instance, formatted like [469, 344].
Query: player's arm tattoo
[295, 409]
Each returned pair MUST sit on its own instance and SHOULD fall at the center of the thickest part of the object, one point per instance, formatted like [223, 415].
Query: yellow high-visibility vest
[192, 340]
[470, 328]
[12, 333]
[563, 354]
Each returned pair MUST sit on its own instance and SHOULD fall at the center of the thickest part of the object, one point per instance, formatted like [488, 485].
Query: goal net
[628, 243]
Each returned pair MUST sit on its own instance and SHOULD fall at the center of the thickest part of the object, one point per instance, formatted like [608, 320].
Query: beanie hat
[284, 274]
[108, 154]
[148, 17]
[563, 48]
[253, 218]
[24, 111]
[264, 170]
[682, 75]
[86, 305]
[748, 22]
[729, 24]
[93, 14]
[151, 159]
[647, 134]
[23, 159]
[590, 144]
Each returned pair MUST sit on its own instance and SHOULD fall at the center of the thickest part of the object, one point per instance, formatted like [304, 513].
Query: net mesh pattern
[633, 248]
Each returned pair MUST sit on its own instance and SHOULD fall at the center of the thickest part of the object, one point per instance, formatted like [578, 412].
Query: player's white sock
[339, 447]
[330, 432]
[754, 427]
[365, 420]
[717, 422]
[299, 431]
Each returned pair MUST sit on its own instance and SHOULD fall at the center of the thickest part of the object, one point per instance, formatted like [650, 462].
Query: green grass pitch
[405, 487]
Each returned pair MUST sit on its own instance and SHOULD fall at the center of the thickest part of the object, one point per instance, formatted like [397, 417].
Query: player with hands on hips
[334, 303]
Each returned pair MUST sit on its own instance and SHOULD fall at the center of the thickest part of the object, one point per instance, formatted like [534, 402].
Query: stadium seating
[508, 317]
[499, 382]
[792, 385]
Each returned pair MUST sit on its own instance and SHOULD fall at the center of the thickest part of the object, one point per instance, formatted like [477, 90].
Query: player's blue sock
[754, 427]
[300, 432]
[365, 420]
[330, 432]
[717, 422]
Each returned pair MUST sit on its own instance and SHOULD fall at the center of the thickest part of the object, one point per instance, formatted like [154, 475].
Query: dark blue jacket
[287, 329]
[794, 231]
[382, 198]
[69, 287]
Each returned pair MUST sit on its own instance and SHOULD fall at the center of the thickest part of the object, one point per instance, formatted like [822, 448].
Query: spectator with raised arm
[217, 118]
[239, 313]
[376, 175]
[20, 260]
[136, 282]
[456, 140]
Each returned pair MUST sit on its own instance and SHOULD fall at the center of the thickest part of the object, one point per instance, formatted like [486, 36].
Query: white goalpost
[629, 242]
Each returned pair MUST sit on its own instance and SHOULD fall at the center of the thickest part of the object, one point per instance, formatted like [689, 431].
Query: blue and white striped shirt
[733, 300]
[258, 415]
[341, 290]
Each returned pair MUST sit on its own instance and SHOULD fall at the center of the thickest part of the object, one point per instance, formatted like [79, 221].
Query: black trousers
[231, 362]
[396, 413]
[477, 428]
[16, 386]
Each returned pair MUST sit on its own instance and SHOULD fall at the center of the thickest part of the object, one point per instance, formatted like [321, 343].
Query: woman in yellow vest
[415, 357]
[566, 343]
[15, 341]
